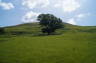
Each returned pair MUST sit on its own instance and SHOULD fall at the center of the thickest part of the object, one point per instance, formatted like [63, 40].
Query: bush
[2, 31]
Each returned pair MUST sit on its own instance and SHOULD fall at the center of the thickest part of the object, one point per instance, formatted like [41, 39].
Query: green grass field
[75, 45]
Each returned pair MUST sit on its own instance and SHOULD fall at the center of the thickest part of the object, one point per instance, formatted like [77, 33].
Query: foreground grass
[67, 48]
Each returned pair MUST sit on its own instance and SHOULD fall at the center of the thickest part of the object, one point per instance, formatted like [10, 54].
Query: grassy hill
[35, 29]
[21, 44]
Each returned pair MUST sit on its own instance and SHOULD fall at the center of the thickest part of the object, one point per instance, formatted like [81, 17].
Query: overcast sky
[76, 12]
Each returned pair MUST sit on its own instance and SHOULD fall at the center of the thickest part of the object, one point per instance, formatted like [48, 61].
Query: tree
[2, 30]
[49, 23]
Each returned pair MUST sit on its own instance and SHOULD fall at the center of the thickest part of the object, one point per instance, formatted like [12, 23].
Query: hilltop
[35, 29]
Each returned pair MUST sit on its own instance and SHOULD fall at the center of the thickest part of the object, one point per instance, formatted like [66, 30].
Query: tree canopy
[49, 23]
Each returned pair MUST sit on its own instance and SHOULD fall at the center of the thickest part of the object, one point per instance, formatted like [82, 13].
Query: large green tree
[49, 23]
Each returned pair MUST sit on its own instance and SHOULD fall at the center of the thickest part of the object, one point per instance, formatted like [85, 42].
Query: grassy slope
[76, 45]
[35, 28]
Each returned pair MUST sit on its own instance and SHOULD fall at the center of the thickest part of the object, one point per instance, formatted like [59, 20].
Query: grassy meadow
[75, 44]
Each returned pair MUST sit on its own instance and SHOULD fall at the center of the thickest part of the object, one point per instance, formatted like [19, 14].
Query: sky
[76, 12]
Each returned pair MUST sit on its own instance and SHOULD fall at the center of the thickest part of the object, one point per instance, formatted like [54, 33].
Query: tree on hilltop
[49, 23]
